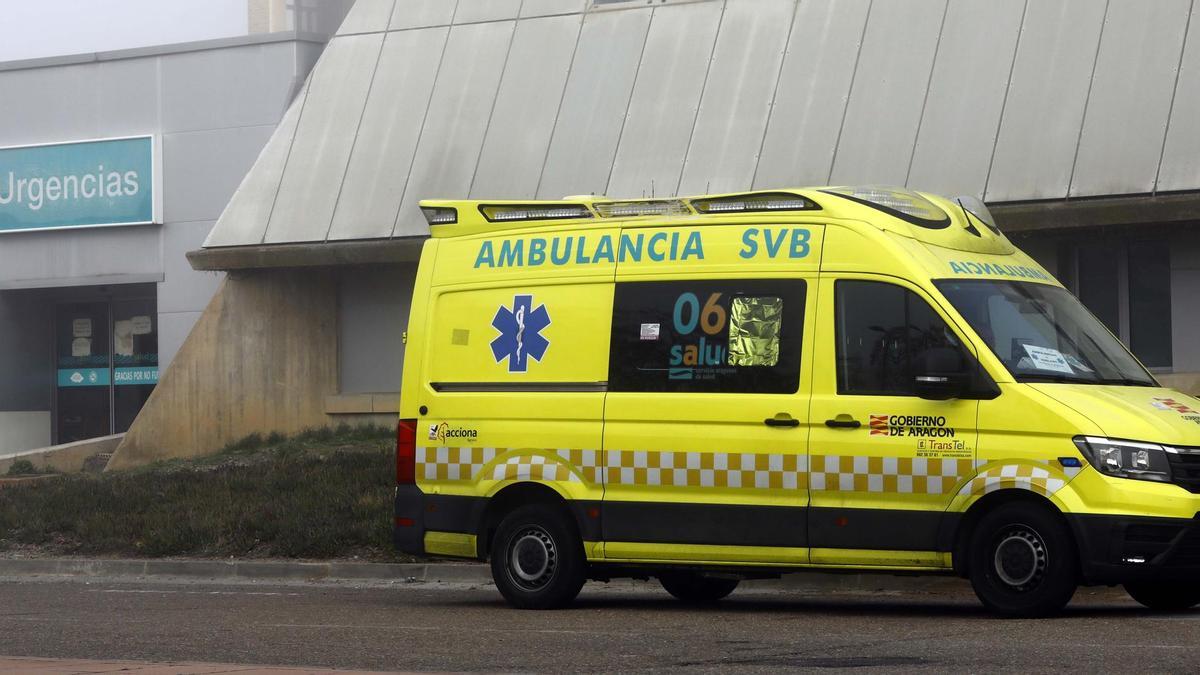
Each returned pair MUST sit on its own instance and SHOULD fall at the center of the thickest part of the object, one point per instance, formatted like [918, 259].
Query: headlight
[1126, 459]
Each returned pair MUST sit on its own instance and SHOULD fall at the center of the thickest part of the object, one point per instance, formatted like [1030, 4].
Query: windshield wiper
[1126, 381]
[1038, 377]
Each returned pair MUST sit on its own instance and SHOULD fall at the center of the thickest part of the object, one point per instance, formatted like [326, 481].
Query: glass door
[84, 371]
[107, 363]
[135, 358]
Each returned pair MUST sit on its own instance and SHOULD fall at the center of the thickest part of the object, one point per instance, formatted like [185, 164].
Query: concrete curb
[463, 573]
[246, 570]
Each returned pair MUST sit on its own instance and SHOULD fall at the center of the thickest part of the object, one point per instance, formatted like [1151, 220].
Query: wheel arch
[519, 494]
[965, 526]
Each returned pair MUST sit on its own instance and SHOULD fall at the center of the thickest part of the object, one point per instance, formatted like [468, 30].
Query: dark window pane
[882, 331]
[707, 336]
[1150, 302]
[1097, 283]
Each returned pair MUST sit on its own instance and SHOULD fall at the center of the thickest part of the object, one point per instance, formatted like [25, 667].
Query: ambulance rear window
[734, 336]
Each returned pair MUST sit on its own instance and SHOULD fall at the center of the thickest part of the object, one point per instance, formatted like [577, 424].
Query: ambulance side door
[885, 463]
[705, 429]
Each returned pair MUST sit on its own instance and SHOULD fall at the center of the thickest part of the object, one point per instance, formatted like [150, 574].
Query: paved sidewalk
[23, 664]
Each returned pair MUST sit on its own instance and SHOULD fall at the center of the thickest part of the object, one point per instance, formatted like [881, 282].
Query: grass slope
[320, 494]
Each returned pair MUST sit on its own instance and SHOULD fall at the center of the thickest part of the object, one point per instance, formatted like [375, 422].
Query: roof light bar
[440, 215]
[754, 203]
[497, 213]
[899, 202]
[662, 207]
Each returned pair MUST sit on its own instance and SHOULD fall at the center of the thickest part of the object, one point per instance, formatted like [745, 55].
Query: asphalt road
[623, 627]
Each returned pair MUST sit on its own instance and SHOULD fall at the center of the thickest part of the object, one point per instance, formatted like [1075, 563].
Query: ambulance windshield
[1043, 333]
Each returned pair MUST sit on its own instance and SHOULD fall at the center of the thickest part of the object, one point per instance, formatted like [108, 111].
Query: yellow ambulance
[728, 387]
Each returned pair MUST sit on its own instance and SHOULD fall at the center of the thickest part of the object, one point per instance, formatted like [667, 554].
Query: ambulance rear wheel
[537, 558]
[1165, 596]
[695, 589]
[1023, 561]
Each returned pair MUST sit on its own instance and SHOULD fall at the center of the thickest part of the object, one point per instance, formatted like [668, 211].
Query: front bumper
[1117, 549]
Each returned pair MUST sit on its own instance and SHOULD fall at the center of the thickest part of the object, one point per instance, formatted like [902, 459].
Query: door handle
[782, 420]
[843, 422]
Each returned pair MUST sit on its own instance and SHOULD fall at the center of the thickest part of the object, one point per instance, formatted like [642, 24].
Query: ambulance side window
[882, 331]
[727, 336]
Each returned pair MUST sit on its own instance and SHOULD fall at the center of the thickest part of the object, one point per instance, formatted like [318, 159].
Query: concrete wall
[373, 303]
[24, 430]
[66, 458]
[262, 357]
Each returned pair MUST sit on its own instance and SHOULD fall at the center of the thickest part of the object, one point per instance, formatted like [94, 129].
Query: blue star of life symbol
[520, 333]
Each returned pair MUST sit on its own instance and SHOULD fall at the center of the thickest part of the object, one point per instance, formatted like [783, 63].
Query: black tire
[694, 589]
[537, 558]
[1023, 561]
[1165, 596]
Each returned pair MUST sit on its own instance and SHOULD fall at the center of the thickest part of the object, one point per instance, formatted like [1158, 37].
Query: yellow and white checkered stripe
[445, 463]
[746, 470]
[729, 470]
[468, 464]
[898, 475]
[575, 466]
[1020, 476]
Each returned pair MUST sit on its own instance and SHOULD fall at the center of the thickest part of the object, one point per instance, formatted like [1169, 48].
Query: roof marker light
[440, 215]
[662, 207]
[496, 213]
[899, 202]
[754, 203]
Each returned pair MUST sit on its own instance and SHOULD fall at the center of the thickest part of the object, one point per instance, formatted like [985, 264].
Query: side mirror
[941, 374]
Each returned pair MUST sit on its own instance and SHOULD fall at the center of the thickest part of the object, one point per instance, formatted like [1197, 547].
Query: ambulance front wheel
[695, 589]
[1165, 596]
[537, 558]
[1023, 561]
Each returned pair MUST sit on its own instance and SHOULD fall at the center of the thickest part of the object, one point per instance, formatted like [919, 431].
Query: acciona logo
[34, 192]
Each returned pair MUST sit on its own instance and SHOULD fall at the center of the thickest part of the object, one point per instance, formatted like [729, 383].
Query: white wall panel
[197, 87]
[1039, 133]
[470, 11]
[448, 150]
[888, 95]
[737, 98]
[244, 220]
[966, 94]
[661, 113]
[387, 136]
[32, 110]
[522, 121]
[544, 7]
[328, 125]
[813, 87]
[1126, 117]
[1180, 169]
[127, 101]
[367, 16]
[593, 108]
[422, 13]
